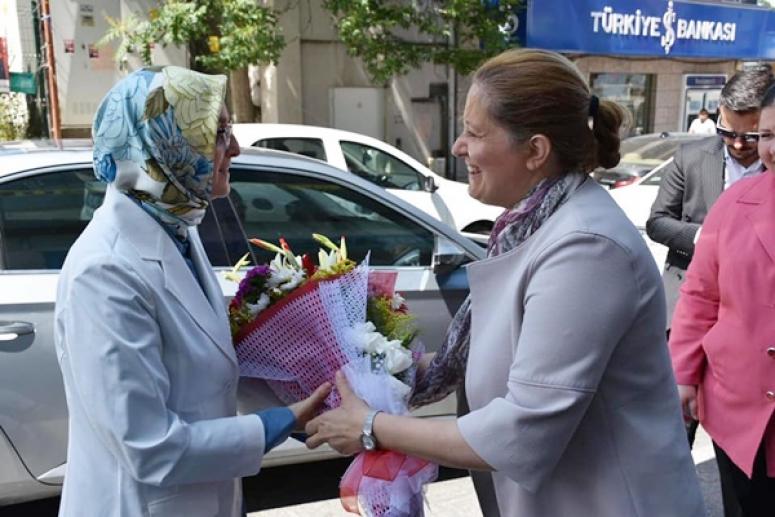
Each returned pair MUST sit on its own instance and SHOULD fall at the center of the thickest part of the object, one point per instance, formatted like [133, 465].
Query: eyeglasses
[748, 138]
[224, 134]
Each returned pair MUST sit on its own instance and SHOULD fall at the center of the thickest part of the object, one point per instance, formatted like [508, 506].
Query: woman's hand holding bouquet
[295, 324]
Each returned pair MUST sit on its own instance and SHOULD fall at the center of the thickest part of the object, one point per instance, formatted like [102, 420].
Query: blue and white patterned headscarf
[154, 139]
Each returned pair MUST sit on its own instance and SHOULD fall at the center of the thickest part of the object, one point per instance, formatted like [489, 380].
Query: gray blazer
[572, 395]
[690, 185]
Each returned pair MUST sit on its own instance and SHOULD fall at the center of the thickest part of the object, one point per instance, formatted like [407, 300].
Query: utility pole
[451, 168]
[53, 93]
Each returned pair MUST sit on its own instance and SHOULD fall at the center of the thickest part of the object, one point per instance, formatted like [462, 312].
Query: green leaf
[394, 37]
[391, 38]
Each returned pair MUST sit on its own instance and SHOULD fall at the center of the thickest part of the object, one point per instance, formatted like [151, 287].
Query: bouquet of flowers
[295, 323]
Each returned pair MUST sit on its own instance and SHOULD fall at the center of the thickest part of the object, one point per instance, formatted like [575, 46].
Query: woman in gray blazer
[142, 335]
[561, 343]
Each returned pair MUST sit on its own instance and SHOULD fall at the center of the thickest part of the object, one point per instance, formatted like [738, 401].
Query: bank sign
[652, 28]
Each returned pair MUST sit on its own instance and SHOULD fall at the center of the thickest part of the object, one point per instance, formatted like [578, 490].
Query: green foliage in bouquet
[338, 269]
[238, 318]
[391, 323]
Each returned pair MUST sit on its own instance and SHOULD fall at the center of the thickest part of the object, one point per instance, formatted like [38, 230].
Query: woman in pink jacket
[723, 335]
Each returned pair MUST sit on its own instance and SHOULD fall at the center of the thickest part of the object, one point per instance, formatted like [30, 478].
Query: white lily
[391, 345]
[397, 359]
[328, 260]
[397, 301]
[280, 252]
[325, 241]
[297, 277]
[261, 304]
[284, 274]
[364, 327]
[359, 334]
[375, 343]
[233, 274]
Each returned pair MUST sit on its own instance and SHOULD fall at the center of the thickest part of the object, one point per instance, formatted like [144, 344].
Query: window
[636, 92]
[41, 216]
[312, 147]
[379, 167]
[221, 232]
[282, 205]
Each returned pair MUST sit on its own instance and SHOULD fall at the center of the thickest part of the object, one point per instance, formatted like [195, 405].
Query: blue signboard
[705, 81]
[667, 28]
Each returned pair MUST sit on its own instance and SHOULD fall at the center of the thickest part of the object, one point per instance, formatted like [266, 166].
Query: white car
[47, 196]
[636, 200]
[383, 165]
[640, 154]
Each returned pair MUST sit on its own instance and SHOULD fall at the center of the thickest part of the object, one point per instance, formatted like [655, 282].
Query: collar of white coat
[205, 305]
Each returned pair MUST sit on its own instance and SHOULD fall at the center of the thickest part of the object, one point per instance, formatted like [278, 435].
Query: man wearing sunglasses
[698, 174]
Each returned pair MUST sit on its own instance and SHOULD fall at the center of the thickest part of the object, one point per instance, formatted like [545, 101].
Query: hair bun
[611, 116]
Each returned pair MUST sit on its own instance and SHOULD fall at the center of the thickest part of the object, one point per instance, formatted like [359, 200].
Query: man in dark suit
[701, 170]
[698, 174]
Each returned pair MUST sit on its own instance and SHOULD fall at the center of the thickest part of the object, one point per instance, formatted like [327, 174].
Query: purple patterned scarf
[447, 370]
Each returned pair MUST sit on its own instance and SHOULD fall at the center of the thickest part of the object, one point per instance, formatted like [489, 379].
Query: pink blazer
[723, 330]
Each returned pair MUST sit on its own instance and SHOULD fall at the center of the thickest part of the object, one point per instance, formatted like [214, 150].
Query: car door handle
[10, 330]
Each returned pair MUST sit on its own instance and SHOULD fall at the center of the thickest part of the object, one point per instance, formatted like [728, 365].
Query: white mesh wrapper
[388, 492]
[300, 343]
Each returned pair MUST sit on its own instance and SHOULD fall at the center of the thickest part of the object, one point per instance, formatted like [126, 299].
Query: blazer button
[770, 395]
[771, 351]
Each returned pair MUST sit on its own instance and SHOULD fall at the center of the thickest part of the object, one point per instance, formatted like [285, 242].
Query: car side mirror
[447, 257]
[429, 184]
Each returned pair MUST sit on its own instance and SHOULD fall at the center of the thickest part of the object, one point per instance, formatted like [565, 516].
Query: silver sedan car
[48, 195]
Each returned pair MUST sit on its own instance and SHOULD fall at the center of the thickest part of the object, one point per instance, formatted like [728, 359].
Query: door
[41, 216]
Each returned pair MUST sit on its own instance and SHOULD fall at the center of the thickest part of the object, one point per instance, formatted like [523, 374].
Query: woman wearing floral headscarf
[142, 336]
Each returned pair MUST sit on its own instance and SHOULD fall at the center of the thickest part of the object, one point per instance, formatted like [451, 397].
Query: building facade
[85, 67]
[663, 59]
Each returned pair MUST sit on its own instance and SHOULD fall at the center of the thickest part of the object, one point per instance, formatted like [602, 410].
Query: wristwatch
[368, 440]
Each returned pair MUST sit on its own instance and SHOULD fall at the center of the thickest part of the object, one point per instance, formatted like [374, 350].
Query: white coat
[569, 381]
[150, 376]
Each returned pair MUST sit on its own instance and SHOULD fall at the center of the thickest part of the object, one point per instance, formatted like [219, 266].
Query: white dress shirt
[734, 171]
[702, 127]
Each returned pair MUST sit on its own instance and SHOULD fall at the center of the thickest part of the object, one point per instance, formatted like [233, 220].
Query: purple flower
[254, 280]
[261, 270]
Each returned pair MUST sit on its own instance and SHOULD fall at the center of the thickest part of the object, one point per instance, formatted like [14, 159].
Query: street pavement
[276, 491]
[456, 497]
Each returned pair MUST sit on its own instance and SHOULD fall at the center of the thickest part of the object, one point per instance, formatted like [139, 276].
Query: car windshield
[632, 144]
